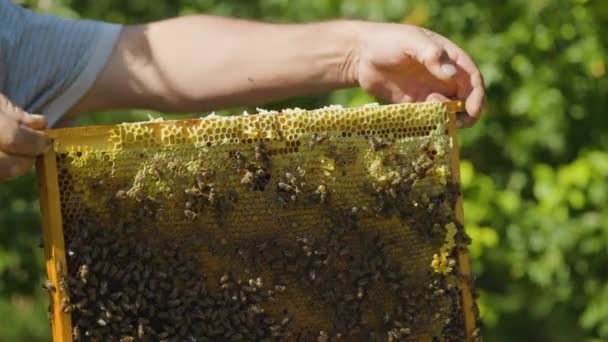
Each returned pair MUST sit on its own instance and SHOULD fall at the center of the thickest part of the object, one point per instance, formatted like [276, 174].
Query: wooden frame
[52, 225]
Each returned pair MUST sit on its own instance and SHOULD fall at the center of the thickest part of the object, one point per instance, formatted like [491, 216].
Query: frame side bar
[464, 267]
[54, 249]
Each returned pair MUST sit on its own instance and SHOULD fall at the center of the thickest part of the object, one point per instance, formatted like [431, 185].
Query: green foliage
[534, 170]
[22, 303]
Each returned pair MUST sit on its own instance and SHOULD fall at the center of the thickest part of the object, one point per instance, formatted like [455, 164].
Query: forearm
[200, 63]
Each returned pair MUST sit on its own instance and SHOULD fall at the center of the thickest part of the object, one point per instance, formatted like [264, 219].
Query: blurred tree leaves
[534, 170]
[22, 304]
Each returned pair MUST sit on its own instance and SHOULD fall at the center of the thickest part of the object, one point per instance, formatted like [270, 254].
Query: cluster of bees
[200, 196]
[122, 288]
[126, 290]
[347, 272]
[426, 213]
[257, 173]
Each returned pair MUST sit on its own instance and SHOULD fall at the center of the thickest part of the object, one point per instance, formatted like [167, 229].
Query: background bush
[534, 170]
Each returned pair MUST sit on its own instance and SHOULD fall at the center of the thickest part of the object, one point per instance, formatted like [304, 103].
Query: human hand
[405, 63]
[21, 139]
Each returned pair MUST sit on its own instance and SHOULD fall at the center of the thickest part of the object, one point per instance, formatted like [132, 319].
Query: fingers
[436, 97]
[463, 120]
[12, 166]
[31, 120]
[390, 92]
[468, 78]
[396, 95]
[433, 56]
[19, 139]
[474, 103]
[35, 121]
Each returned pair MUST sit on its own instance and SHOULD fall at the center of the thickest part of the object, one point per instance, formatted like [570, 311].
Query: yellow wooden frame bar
[54, 249]
[464, 267]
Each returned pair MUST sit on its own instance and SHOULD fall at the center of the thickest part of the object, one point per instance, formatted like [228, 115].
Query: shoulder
[12, 21]
[12, 16]
[9, 9]
[48, 62]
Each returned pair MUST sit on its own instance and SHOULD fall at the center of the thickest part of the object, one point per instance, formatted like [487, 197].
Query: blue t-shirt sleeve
[48, 63]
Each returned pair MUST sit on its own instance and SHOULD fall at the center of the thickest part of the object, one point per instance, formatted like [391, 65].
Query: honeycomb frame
[269, 127]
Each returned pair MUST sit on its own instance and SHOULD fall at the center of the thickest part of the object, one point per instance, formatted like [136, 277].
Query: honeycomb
[331, 224]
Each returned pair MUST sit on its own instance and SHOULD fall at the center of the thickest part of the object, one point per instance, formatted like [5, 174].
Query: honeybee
[240, 159]
[378, 143]
[191, 215]
[83, 273]
[318, 138]
[48, 285]
[284, 187]
[247, 178]
[76, 334]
